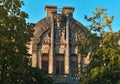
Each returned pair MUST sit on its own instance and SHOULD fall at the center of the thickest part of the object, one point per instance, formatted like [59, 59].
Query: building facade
[53, 45]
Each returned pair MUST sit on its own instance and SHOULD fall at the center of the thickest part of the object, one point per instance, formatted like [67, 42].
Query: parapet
[50, 10]
[67, 11]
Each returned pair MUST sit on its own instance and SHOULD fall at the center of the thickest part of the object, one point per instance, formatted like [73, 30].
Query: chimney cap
[68, 7]
[50, 7]
[68, 10]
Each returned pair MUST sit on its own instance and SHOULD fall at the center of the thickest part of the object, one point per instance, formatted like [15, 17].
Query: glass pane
[74, 64]
[59, 67]
[73, 58]
[45, 63]
[44, 57]
[45, 66]
[59, 64]
[60, 58]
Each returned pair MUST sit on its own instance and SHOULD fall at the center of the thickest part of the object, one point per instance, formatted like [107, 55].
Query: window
[74, 64]
[59, 64]
[45, 62]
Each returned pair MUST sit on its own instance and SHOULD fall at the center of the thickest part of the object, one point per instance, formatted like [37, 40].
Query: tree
[100, 20]
[35, 75]
[104, 67]
[15, 34]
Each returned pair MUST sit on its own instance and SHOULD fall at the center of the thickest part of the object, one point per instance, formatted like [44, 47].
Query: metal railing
[65, 78]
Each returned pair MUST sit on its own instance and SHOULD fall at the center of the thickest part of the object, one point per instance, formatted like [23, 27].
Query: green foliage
[37, 76]
[15, 35]
[100, 20]
[84, 48]
[104, 67]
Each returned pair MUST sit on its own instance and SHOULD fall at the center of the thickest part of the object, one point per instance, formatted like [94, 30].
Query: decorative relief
[40, 28]
[78, 29]
[44, 44]
[72, 50]
[60, 21]
[46, 38]
[72, 37]
[45, 49]
[60, 31]
[60, 35]
[60, 49]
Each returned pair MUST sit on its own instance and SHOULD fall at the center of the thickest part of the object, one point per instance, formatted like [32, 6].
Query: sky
[36, 11]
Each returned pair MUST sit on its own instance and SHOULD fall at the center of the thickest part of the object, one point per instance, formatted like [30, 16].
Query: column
[40, 59]
[51, 56]
[37, 58]
[79, 63]
[67, 66]
[34, 58]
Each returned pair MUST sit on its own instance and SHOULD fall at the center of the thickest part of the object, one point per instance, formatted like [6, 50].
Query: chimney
[68, 11]
[50, 10]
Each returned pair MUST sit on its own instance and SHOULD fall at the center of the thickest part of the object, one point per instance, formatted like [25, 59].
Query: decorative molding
[43, 25]
[40, 28]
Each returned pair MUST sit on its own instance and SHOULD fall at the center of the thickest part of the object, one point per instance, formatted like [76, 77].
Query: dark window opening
[74, 64]
[45, 63]
[59, 68]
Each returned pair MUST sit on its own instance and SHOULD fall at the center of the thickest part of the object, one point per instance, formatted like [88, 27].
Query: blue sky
[35, 9]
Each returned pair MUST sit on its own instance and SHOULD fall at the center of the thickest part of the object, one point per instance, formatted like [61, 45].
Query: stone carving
[46, 38]
[60, 21]
[60, 49]
[59, 35]
[40, 28]
[62, 36]
[72, 37]
[45, 49]
[60, 24]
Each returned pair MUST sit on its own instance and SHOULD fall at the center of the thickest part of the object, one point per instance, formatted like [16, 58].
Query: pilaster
[51, 56]
[67, 48]
[34, 58]
[40, 60]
